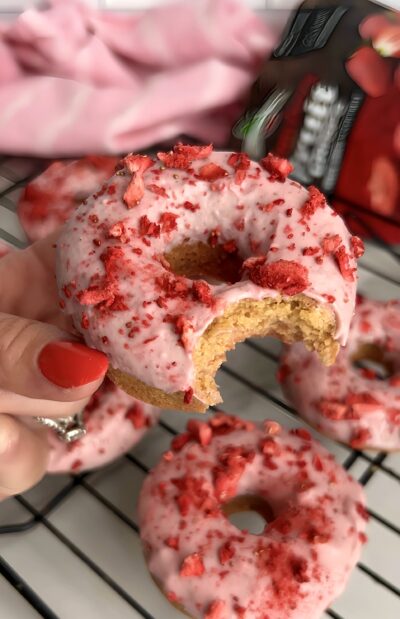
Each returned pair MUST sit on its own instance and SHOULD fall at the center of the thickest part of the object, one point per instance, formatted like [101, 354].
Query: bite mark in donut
[217, 253]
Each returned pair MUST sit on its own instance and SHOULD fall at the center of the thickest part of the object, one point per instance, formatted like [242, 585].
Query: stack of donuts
[167, 266]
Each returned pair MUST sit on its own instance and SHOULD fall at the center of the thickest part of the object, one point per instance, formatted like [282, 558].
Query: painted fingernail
[70, 364]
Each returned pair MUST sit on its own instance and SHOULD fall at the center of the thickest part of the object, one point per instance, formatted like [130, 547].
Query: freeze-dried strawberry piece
[173, 285]
[267, 208]
[211, 172]
[179, 441]
[282, 373]
[189, 206]
[95, 295]
[136, 416]
[330, 243]
[137, 165]
[192, 565]
[278, 168]
[226, 552]
[117, 230]
[216, 610]
[230, 247]
[200, 431]
[179, 161]
[188, 397]
[202, 292]
[394, 381]
[194, 152]
[233, 461]
[301, 433]
[357, 246]
[159, 191]
[332, 409]
[315, 200]
[310, 251]
[172, 542]
[134, 192]
[148, 228]
[241, 163]
[286, 276]
[343, 260]
[361, 510]
[168, 222]
[360, 439]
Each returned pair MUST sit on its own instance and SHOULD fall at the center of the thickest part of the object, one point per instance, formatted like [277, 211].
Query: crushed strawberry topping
[137, 166]
[279, 169]
[192, 565]
[343, 260]
[241, 163]
[182, 155]
[216, 610]
[159, 191]
[315, 200]
[331, 243]
[286, 276]
[232, 463]
[357, 246]
[211, 172]
[148, 228]
[168, 222]
[202, 292]
[136, 416]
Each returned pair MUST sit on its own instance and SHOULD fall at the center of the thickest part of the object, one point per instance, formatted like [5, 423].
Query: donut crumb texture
[296, 319]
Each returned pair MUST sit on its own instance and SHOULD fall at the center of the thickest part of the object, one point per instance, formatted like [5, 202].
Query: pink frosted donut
[47, 201]
[115, 422]
[122, 255]
[351, 404]
[301, 561]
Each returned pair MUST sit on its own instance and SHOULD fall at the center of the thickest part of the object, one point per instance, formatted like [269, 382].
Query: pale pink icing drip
[163, 362]
[48, 200]
[366, 424]
[295, 567]
[115, 423]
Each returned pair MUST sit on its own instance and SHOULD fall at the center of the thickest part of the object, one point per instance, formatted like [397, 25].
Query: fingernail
[70, 364]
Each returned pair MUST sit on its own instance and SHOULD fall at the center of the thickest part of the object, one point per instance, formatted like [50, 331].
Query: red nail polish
[70, 364]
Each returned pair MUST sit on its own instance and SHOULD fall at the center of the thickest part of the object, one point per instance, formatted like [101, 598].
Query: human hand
[44, 370]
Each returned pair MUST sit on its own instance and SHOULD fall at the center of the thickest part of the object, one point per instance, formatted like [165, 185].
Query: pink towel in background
[75, 80]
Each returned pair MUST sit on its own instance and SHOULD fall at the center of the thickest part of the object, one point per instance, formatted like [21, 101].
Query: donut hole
[201, 261]
[249, 513]
[371, 358]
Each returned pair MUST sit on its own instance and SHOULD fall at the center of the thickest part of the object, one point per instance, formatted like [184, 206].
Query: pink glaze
[295, 567]
[47, 201]
[4, 248]
[115, 422]
[351, 404]
[125, 302]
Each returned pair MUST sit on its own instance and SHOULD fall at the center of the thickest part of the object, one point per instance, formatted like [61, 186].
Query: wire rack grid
[70, 548]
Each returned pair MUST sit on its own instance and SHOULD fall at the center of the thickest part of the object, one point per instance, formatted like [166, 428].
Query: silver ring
[68, 429]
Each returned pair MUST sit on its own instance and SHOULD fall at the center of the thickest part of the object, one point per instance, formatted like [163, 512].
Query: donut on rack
[114, 423]
[210, 569]
[50, 198]
[348, 403]
[178, 258]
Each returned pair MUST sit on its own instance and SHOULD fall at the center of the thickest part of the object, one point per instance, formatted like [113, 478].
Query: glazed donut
[115, 422]
[47, 201]
[301, 561]
[130, 259]
[349, 404]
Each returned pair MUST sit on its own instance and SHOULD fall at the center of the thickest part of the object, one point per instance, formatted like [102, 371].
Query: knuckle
[17, 337]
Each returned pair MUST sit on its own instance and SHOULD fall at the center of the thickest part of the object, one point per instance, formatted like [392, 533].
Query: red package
[329, 100]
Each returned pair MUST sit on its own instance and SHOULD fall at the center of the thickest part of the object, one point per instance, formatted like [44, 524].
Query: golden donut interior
[290, 319]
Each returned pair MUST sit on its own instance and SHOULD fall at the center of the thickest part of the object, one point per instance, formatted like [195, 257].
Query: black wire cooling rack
[14, 174]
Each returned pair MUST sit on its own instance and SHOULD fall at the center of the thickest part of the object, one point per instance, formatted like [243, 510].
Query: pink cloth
[75, 80]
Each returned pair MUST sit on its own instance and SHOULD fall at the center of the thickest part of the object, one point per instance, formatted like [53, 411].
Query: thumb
[38, 360]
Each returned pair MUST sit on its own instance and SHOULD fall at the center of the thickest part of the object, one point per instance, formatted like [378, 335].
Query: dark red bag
[329, 100]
